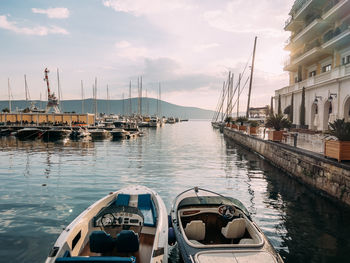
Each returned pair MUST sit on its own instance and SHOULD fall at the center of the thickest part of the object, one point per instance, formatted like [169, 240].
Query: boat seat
[122, 200]
[147, 208]
[245, 241]
[234, 229]
[96, 259]
[195, 230]
[101, 242]
[196, 242]
[127, 241]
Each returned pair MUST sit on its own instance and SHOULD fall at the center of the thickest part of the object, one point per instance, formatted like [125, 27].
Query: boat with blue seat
[127, 226]
[210, 227]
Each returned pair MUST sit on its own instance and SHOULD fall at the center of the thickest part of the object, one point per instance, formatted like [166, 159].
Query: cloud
[36, 30]
[249, 16]
[142, 7]
[126, 50]
[204, 47]
[59, 12]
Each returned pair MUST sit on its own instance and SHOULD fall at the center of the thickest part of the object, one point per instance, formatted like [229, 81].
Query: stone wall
[325, 175]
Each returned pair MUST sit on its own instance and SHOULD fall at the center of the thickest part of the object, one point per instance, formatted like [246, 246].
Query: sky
[188, 46]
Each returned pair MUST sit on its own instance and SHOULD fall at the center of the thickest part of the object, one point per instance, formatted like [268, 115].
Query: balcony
[338, 38]
[336, 73]
[335, 9]
[299, 13]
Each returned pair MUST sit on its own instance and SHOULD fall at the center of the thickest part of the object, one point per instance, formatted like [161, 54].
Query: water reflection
[46, 185]
[304, 226]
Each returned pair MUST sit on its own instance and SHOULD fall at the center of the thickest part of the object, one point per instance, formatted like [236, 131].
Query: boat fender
[170, 223]
[171, 236]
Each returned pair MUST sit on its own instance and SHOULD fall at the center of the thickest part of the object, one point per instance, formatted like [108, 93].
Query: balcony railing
[330, 4]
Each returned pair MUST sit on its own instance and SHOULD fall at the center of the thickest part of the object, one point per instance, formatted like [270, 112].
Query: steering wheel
[226, 211]
[107, 220]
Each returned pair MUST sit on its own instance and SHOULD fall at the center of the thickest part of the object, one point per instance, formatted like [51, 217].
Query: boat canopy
[213, 200]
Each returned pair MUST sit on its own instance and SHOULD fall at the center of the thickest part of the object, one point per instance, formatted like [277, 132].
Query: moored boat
[210, 227]
[129, 225]
[28, 133]
[79, 134]
[98, 133]
[55, 133]
[118, 133]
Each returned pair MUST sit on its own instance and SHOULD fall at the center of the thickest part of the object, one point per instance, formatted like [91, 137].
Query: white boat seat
[234, 229]
[195, 242]
[195, 230]
[245, 241]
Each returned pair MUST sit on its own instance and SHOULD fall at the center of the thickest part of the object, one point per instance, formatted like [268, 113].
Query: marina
[44, 189]
[147, 168]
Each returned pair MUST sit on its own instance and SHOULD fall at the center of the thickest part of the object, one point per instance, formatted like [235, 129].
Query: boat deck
[143, 255]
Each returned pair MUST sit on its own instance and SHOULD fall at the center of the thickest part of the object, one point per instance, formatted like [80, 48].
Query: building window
[327, 68]
[330, 108]
[316, 109]
[312, 73]
[346, 60]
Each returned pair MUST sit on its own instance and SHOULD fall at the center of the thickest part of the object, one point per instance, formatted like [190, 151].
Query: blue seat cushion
[101, 242]
[97, 259]
[127, 241]
[147, 207]
[122, 200]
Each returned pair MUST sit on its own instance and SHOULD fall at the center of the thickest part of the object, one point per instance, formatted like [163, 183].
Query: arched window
[330, 108]
[316, 109]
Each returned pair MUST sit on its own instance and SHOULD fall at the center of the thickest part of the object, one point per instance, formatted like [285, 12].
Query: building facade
[319, 63]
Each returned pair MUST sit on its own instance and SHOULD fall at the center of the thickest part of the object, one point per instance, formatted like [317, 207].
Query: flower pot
[242, 128]
[253, 130]
[234, 126]
[339, 150]
[275, 136]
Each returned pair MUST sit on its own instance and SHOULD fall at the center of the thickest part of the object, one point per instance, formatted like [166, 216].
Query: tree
[279, 105]
[6, 110]
[278, 122]
[291, 114]
[271, 109]
[302, 108]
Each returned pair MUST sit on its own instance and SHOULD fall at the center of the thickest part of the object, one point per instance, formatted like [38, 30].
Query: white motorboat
[99, 134]
[154, 122]
[118, 133]
[127, 226]
[210, 227]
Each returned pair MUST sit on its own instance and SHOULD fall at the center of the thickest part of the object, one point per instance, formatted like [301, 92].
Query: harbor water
[44, 186]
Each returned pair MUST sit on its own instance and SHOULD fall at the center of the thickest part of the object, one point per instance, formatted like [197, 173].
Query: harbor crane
[52, 101]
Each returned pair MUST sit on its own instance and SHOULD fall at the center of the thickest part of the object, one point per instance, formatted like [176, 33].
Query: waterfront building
[319, 63]
[39, 118]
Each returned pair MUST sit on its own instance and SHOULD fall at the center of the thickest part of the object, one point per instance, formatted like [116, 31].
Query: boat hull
[210, 240]
[28, 134]
[55, 135]
[151, 230]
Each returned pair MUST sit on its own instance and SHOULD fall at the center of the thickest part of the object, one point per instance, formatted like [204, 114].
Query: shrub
[278, 122]
[340, 129]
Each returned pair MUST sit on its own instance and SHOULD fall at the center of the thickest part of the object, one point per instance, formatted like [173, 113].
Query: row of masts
[56, 103]
[231, 94]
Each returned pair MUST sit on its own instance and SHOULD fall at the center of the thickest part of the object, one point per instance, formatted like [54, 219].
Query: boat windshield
[213, 200]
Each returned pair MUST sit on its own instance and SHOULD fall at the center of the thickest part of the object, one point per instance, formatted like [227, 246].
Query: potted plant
[241, 120]
[253, 127]
[228, 121]
[340, 148]
[278, 122]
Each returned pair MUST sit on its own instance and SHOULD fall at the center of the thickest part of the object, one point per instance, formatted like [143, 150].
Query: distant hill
[116, 106]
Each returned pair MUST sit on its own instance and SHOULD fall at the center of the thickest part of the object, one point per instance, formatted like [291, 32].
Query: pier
[326, 176]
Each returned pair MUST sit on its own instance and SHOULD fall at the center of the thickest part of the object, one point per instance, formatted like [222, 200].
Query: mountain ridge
[149, 107]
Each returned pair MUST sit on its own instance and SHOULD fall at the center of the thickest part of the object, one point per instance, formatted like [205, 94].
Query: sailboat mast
[123, 109]
[130, 106]
[9, 92]
[141, 97]
[251, 79]
[95, 96]
[82, 97]
[108, 109]
[160, 100]
[239, 87]
[59, 90]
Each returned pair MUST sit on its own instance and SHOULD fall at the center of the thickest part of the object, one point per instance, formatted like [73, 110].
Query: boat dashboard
[119, 216]
[227, 212]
